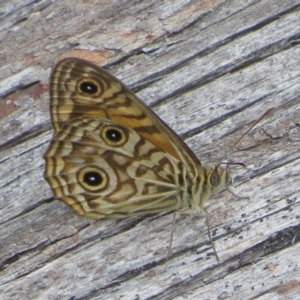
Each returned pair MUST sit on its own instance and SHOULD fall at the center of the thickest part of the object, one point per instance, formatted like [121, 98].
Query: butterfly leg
[171, 237]
[209, 234]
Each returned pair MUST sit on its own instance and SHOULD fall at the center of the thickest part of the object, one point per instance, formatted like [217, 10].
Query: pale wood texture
[209, 69]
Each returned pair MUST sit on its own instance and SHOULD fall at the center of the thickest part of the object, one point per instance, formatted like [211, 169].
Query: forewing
[79, 89]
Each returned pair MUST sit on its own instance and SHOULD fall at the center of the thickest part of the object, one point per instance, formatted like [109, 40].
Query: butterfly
[111, 156]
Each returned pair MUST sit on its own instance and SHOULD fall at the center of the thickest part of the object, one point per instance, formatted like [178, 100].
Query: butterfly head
[218, 178]
[213, 180]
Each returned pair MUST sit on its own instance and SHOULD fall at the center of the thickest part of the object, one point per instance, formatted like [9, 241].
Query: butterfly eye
[114, 136]
[215, 178]
[89, 87]
[92, 178]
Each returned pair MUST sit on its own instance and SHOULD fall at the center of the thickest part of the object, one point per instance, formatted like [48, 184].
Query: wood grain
[209, 69]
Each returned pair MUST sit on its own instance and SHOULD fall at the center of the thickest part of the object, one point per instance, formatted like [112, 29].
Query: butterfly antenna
[255, 123]
[233, 163]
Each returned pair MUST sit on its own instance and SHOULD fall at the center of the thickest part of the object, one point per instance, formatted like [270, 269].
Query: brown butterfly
[111, 156]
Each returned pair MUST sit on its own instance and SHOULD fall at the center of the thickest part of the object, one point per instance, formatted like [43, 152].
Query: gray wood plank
[209, 69]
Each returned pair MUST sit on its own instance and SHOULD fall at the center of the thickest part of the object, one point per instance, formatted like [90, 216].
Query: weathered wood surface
[208, 69]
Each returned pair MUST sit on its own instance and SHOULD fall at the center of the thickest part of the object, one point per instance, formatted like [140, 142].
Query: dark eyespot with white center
[89, 87]
[92, 178]
[114, 135]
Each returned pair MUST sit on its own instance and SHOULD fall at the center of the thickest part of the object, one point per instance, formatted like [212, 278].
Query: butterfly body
[111, 156]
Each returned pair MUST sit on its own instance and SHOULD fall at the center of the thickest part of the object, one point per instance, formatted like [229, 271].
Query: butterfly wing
[79, 88]
[103, 169]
